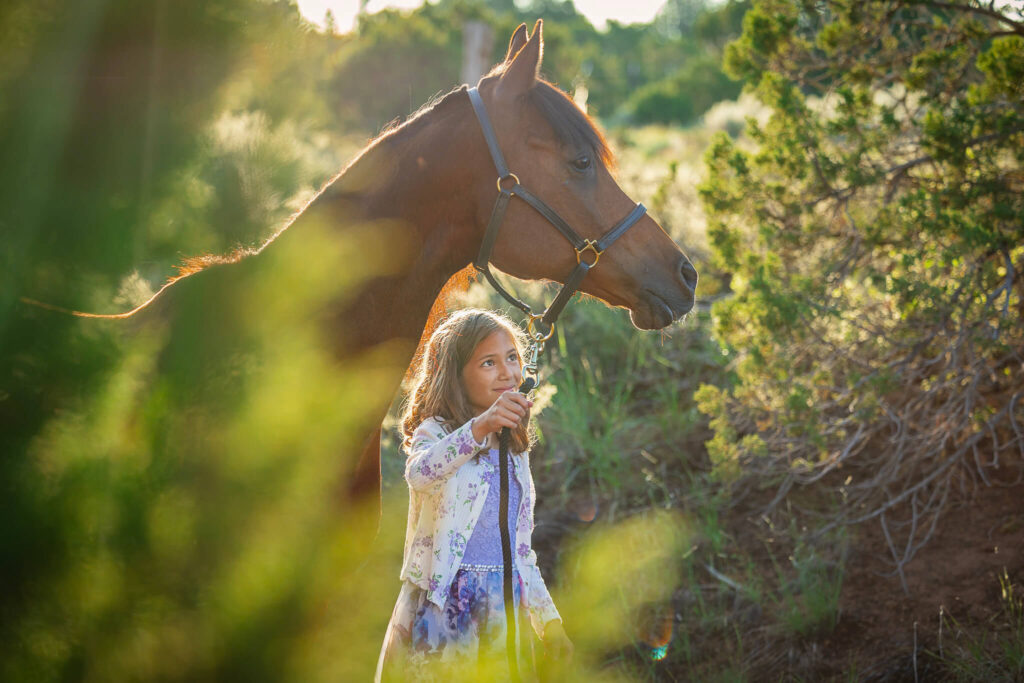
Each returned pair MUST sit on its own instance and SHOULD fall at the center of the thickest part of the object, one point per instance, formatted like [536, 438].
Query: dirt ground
[884, 633]
[957, 571]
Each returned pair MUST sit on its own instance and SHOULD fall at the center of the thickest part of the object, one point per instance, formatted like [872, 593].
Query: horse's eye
[581, 163]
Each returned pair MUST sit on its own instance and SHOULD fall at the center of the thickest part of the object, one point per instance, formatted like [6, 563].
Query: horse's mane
[436, 103]
[456, 284]
[194, 264]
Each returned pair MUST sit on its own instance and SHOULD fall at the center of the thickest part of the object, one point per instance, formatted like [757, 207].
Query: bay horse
[426, 189]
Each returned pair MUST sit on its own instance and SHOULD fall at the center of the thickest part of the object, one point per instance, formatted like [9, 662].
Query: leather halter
[508, 187]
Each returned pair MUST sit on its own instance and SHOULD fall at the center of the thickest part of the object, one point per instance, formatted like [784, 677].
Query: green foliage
[810, 599]
[996, 655]
[620, 395]
[689, 90]
[685, 95]
[614, 573]
[872, 231]
[157, 524]
[162, 525]
[766, 27]
[416, 55]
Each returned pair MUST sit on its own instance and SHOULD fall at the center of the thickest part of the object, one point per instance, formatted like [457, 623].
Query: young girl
[450, 611]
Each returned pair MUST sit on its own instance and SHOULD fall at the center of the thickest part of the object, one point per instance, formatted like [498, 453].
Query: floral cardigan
[447, 490]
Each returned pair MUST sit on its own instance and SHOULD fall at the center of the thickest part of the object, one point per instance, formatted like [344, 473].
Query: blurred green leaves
[191, 503]
[686, 94]
[614, 575]
[171, 486]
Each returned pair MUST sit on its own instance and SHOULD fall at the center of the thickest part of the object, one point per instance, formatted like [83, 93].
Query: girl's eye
[487, 362]
[581, 163]
[513, 358]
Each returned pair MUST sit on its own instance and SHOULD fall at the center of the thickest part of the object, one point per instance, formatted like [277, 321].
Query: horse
[423, 192]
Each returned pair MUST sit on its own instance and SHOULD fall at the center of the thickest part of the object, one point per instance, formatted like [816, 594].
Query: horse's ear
[519, 37]
[521, 73]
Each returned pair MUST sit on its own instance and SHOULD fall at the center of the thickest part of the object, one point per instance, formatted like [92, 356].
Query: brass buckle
[592, 246]
[513, 176]
[537, 336]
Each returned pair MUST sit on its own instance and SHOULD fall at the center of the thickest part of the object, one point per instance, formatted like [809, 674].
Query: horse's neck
[404, 202]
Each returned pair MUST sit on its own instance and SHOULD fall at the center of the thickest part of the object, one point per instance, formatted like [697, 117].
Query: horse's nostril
[689, 274]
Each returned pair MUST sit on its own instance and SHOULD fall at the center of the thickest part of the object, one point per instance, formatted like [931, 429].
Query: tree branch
[1018, 27]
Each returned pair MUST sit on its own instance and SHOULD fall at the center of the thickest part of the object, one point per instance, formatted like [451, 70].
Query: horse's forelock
[571, 125]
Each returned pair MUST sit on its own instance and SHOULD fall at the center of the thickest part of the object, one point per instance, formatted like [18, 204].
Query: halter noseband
[508, 186]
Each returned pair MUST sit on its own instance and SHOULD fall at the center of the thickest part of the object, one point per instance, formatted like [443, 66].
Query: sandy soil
[883, 633]
[957, 571]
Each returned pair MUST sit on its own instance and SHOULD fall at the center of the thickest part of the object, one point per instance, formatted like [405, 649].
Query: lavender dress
[470, 628]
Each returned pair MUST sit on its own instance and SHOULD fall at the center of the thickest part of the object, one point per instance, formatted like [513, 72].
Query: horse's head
[558, 155]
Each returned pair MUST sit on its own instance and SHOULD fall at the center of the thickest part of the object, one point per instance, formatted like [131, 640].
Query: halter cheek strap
[508, 187]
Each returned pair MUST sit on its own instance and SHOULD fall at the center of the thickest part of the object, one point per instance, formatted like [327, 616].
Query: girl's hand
[507, 411]
[557, 645]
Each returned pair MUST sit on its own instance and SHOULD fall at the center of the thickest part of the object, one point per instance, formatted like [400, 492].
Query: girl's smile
[492, 370]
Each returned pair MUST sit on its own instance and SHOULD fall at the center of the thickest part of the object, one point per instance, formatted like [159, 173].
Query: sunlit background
[598, 12]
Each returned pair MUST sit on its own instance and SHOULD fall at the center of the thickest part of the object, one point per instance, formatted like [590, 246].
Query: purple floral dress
[430, 638]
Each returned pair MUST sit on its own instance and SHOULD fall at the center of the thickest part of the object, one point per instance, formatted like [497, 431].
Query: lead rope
[528, 385]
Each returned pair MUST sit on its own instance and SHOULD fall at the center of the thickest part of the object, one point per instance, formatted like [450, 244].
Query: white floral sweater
[447, 490]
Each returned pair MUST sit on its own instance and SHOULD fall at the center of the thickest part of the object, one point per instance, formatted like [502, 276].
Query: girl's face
[492, 370]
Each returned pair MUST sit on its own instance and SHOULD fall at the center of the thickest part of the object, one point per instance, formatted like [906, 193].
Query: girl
[450, 610]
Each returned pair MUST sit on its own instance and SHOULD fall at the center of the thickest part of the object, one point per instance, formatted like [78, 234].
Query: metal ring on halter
[513, 176]
[592, 246]
[538, 336]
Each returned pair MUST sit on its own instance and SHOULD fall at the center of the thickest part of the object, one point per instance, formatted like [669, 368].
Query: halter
[508, 187]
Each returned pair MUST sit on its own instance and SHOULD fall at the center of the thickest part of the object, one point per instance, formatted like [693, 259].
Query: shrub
[684, 95]
[874, 236]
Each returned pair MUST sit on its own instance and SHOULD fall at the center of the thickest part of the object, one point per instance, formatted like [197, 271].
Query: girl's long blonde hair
[437, 385]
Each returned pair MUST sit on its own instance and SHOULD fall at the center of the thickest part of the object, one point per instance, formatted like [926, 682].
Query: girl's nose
[508, 370]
